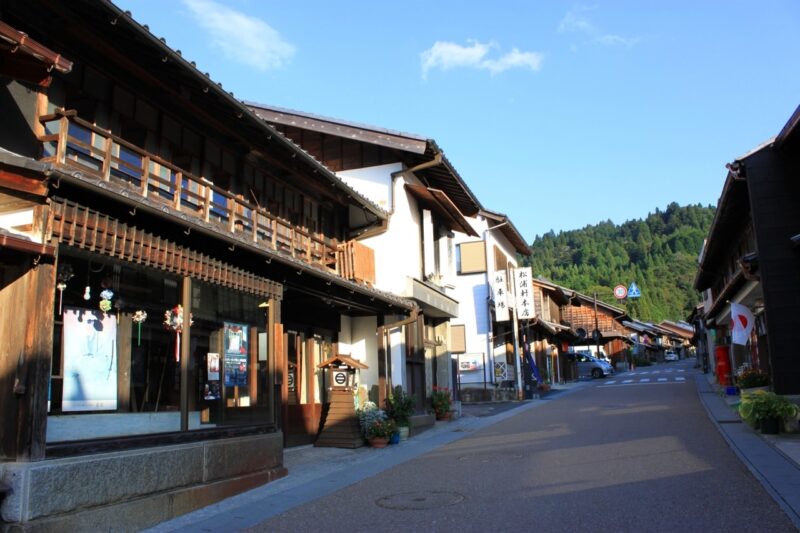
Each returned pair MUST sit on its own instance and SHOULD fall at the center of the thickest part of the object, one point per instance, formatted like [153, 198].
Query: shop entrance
[305, 386]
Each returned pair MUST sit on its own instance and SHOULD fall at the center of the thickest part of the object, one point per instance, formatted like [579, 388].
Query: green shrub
[760, 405]
[400, 406]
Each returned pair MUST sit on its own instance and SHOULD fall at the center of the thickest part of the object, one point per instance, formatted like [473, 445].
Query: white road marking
[627, 381]
[680, 379]
[644, 380]
[662, 379]
[610, 382]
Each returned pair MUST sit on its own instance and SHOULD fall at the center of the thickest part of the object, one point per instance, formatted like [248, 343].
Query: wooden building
[172, 272]
[428, 204]
[751, 257]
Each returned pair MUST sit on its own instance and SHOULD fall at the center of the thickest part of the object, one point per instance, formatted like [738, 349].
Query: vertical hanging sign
[523, 289]
[499, 288]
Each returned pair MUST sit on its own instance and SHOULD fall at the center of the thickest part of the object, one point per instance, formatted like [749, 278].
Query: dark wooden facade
[133, 154]
[760, 207]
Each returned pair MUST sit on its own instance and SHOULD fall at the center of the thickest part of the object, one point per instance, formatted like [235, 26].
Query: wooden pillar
[25, 353]
[38, 353]
[419, 349]
[273, 312]
[186, 346]
[124, 337]
[381, 362]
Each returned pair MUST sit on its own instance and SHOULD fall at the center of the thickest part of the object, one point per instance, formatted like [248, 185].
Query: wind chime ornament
[139, 317]
[65, 274]
[105, 300]
[173, 319]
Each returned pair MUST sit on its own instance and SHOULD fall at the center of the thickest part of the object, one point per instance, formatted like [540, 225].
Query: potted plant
[400, 408]
[752, 379]
[379, 431]
[766, 409]
[440, 401]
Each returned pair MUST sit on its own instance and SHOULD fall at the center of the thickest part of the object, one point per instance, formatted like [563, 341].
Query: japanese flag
[743, 322]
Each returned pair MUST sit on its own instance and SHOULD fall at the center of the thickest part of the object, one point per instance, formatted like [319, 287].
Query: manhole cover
[429, 499]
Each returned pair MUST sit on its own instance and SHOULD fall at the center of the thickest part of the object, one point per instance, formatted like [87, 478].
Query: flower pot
[443, 416]
[395, 438]
[403, 431]
[378, 442]
[770, 426]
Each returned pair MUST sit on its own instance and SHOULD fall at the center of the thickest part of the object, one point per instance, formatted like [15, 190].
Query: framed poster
[89, 360]
[213, 367]
[235, 356]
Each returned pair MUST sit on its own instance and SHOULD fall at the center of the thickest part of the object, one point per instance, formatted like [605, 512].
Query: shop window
[116, 366]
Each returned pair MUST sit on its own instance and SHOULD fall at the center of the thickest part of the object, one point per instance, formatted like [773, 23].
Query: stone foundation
[488, 395]
[136, 489]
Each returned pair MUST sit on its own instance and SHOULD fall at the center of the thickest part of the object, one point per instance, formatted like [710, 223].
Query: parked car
[670, 356]
[590, 366]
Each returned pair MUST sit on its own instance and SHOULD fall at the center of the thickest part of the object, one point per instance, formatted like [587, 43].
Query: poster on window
[213, 367]
[235, 357]
[470, 367]
[90, 360]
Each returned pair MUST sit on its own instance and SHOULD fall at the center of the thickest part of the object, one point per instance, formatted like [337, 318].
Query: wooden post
[145, 185]
[186, 299]
[25, 355]
[272, 356]
[107, 157]
[63, 134]
[178, 189]
[124, 336]
[381, 362]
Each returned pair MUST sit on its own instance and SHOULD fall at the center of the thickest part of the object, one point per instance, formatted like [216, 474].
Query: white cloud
[446, 55]
[616, 40]
[577, 21]
[241, 38]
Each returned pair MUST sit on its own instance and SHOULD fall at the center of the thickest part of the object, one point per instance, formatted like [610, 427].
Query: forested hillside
[659, 253]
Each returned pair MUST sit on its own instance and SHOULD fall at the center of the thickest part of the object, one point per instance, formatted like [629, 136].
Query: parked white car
[670, 356]
[590, 366]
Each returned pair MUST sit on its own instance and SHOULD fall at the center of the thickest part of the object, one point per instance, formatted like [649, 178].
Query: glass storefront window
[116, 366]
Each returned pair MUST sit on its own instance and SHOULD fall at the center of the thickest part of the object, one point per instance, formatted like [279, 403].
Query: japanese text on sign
[500, 288]
[523, 287]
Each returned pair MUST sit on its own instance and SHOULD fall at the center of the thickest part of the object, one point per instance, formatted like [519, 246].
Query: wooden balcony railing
[75, 143]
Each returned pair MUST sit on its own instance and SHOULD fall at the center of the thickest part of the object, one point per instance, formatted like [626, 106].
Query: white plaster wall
[398, 251]
[364, 347]
[345, 335]
[375, 183]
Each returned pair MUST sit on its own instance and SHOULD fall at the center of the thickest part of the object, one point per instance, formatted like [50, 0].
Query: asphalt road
[635, 456]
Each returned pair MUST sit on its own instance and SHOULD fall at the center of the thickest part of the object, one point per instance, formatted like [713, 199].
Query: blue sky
[559, 114]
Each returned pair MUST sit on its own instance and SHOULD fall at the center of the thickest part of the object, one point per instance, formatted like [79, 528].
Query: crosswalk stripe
[627, 381]
[644, 380]
[610, 382]
[680, 379]
[662, 379]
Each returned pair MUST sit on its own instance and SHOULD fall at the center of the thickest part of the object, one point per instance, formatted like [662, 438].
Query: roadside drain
[416, 501]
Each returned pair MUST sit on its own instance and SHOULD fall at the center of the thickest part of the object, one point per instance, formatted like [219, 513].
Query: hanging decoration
[65, 274]
[173, 319]
[139, 317]
[105, 300]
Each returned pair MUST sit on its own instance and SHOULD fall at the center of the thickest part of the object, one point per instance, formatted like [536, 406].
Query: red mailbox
[723, 365]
